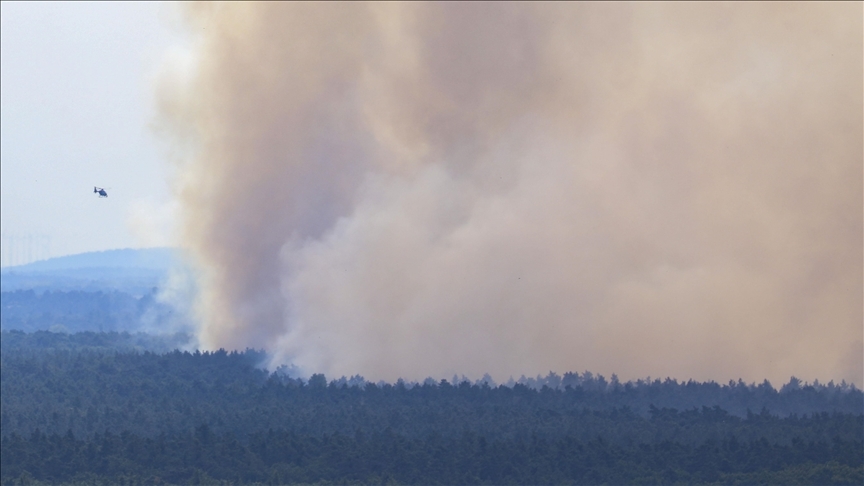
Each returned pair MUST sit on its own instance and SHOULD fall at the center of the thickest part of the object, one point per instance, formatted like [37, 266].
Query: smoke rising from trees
[406, 190]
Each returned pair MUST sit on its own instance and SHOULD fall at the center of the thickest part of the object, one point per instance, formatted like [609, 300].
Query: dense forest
[117, 407]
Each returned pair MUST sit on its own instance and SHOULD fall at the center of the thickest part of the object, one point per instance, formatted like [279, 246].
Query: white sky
[77, 102]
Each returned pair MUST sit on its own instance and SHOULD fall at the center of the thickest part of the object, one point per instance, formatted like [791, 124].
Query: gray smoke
[416, 189]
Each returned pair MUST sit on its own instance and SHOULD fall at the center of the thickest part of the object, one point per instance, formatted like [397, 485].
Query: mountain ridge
[162, 258]
[131, 270]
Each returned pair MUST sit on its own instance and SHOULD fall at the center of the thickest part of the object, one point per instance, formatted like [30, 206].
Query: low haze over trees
[77, 311]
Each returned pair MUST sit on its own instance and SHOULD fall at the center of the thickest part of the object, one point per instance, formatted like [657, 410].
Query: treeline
[384, 457]
[150, 394]
[41, 342]
[91, 392]
[74, 408]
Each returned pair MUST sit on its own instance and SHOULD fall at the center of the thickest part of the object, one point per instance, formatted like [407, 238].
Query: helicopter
[100, 191]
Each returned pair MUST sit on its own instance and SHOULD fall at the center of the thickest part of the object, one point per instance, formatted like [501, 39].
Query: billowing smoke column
[412, 190]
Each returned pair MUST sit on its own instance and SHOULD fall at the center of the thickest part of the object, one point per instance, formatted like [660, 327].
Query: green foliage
[90, 391]
[282, 457]
[75, 410]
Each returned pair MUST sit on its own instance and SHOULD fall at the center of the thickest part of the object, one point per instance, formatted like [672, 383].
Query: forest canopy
[104, 406]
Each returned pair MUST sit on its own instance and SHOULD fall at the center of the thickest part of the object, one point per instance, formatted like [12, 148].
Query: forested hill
[159, 259]
[133, 271]
[103, 414]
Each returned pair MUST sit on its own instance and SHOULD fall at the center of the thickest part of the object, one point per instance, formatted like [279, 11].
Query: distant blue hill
[145, 258]
[135, 271]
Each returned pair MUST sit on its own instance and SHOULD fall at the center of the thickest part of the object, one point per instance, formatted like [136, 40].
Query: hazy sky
[76, 109]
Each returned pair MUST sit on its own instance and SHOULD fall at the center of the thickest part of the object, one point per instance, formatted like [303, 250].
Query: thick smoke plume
[414, 189]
